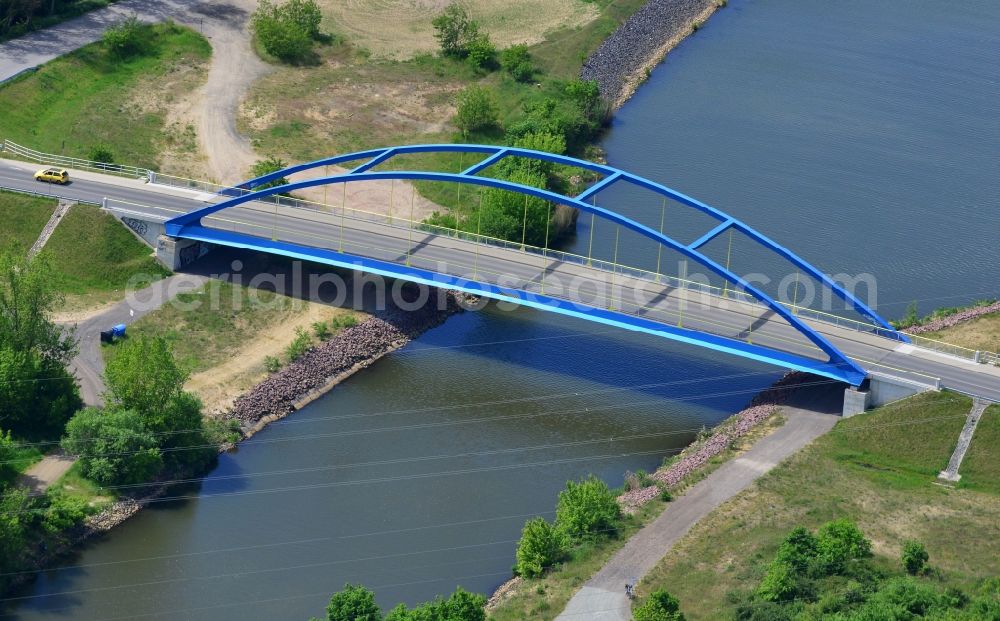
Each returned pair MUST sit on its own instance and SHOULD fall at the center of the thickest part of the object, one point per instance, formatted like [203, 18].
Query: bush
[797, 550]
[516, 61]
[321, 330]
[299, 345]
[101, 154]
[455, 31]
[63, 513]
[287, 31]
[305, 14]
[661, 606]
[541, 545]
[477, 110]
[124, 38]
[271, 364]
[665, 495]
[345, 321]
[587, 508]
[481, 53]
[782, 583]
[115, 447]
[915, 557]
[838, 542]
[353, 603]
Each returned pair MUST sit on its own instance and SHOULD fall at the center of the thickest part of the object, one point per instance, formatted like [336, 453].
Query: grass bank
[94, 256]
[226, 335]
[981, 333]
[545, 597]
[23, 218]
[89, 98]
[877, 469]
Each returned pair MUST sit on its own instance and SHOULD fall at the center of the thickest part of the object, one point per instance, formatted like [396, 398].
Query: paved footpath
[41, 46]
[603, 598]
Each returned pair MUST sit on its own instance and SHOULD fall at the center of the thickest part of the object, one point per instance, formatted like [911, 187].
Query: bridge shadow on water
[540, 341]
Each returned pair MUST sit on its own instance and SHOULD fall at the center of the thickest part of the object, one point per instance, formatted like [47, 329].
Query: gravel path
[234, 66]
[39, 477]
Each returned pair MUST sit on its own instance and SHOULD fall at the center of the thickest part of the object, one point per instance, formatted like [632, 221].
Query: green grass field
[86, 98]
[23, 218]
[878, 469]
[94, 256]
[207, 326]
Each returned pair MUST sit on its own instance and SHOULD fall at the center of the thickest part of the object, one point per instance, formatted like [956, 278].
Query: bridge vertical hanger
[837, 366]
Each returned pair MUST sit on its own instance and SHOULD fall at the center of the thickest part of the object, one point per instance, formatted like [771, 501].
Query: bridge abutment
[174, 253]
[879, 390]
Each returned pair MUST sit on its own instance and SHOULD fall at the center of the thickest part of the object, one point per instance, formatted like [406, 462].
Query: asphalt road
[512, 268]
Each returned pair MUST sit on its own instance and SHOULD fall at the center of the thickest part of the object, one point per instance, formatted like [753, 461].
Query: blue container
[119, 330]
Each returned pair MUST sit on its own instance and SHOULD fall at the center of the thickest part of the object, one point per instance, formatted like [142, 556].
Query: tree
[516, 61]
[115, 446]
[460, 606]
[587, 508]
[661, 606]
[267, 166]
[477, 109]
[143, 376]
[541, 545]
[124, 38]
[513, 216]
[37, 392]
[8, 454]
[26, 298]
[353, 603]
[455, 31]
[915, 557]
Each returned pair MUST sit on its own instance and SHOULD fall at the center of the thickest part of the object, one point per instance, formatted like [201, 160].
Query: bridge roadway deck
[513, 268]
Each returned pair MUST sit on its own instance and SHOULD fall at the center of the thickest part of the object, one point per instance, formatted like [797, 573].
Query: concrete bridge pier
[879, 389]
[175, 253]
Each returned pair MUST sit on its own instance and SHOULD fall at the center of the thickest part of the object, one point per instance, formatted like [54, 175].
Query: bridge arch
[837, 366]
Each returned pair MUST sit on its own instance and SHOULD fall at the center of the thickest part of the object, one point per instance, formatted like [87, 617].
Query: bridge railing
[17, 151]
[13, 149]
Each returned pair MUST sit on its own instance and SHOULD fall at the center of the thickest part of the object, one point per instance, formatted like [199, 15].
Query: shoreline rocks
[953, 320]
[696, 455]
[620, 64]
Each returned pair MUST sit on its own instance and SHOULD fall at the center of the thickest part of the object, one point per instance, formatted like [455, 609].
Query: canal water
[862, 134]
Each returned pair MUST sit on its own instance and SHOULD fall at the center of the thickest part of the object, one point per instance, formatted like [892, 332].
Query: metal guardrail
[50, 159]
[46, 195]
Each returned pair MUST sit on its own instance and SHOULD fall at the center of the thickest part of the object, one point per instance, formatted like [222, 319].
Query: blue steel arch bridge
[739, 318]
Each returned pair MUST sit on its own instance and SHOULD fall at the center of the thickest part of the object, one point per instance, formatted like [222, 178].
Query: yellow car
[52, 175]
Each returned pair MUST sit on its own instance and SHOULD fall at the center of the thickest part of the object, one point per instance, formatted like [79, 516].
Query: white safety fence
[9, 148]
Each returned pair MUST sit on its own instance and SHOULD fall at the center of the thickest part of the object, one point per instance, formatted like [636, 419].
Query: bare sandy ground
[219, 386]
